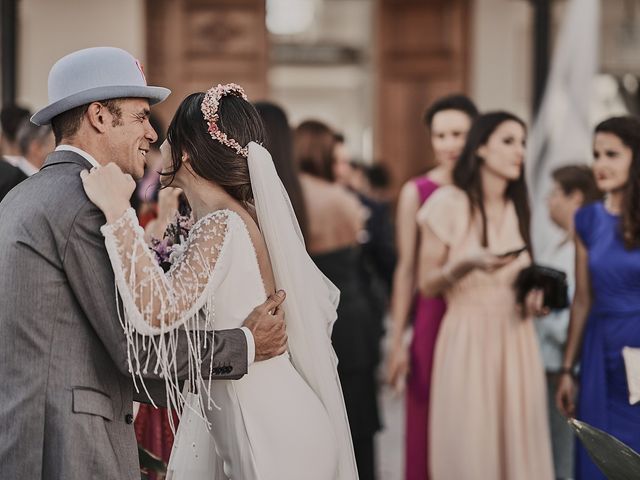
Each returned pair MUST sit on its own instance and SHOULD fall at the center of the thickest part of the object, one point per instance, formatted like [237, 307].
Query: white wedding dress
[278, 422]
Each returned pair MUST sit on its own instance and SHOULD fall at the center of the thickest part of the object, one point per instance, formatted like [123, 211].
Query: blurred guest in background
[377, 242]
[379, 181]
[606, 305]
[10, 175]
[345, 170]
[35, 142]
[335, 224]
[573, 187]
[378, 246]
[11, 117]
[280, 146]
[448, 120]
[488, 408]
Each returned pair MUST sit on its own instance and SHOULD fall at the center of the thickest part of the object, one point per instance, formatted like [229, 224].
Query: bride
[285, 419]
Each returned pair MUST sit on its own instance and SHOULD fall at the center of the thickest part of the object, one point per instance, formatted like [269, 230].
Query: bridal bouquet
[175, 234]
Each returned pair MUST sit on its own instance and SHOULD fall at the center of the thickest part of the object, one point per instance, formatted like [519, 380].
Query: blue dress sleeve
[584, 219]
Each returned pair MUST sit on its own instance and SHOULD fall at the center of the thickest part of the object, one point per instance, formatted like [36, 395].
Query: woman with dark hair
[286, 418]
[488, 407]
[448, 120]
[606, 304]
[279, 142]
[336, 220]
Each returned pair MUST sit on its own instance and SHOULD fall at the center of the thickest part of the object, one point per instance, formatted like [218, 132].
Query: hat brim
[154, 94]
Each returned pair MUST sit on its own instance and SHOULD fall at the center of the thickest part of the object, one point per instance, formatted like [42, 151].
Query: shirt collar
[26, 166]
[79, 151]
[13, 159]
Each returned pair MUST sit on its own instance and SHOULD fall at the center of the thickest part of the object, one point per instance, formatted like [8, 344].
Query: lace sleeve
[156, 304]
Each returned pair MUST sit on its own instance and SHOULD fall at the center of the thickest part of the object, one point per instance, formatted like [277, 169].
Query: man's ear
[97, 116]
[577, 198]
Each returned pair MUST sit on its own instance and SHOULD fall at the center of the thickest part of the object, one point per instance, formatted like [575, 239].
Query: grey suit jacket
[65, 392]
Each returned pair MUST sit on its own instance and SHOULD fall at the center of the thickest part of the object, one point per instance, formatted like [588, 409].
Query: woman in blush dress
[448, 119]
[605, 314]
[488, 403]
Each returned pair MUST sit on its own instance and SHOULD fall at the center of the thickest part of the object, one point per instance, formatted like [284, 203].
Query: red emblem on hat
[141, 68]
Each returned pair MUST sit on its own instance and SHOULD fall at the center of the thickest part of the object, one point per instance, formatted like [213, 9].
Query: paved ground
[390, 442]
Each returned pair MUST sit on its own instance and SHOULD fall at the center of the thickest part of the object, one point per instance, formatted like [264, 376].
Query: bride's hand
[109, 189]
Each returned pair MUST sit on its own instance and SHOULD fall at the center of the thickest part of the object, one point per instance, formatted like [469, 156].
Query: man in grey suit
[66, 393]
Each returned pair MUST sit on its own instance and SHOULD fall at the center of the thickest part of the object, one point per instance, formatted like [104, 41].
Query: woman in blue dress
[605, 315]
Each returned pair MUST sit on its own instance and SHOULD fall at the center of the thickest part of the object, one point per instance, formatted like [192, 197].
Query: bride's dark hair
[209, 158]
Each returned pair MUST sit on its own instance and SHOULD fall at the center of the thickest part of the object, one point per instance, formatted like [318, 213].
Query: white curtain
[562, 131]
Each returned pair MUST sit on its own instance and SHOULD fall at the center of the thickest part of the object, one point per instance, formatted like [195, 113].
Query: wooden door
[422, 48]
[194, 44]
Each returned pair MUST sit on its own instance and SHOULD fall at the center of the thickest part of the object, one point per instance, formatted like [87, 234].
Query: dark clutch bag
[551, 281]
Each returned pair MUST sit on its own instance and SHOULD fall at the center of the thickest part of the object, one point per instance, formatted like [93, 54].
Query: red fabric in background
[154, 433]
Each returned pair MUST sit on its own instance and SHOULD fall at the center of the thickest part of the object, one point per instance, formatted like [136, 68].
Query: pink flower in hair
[209, 109]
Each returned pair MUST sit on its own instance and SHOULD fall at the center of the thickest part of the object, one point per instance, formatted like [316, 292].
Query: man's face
[557, 203]
[129, 138]
[562, 206]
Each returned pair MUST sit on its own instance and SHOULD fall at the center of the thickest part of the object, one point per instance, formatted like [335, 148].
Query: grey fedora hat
[94, 74]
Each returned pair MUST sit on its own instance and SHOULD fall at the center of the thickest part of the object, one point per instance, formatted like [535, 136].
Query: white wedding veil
[310, 306]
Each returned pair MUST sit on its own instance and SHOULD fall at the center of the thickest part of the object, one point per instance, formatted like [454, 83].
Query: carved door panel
[422, 54]
[194, 44]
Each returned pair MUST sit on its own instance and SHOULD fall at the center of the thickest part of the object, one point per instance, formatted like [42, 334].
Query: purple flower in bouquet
[162, 249]
[175, 234]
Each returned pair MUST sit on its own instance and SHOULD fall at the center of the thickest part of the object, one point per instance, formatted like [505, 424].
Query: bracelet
[566, 371]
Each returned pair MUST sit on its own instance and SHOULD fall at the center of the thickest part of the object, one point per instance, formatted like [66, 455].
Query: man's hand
[266, 323]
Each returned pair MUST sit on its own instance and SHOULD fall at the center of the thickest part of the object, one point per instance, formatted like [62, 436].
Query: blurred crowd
[489, 369]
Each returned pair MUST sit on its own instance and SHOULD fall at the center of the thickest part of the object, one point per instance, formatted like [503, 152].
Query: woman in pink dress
[488, 403]
[448, 120]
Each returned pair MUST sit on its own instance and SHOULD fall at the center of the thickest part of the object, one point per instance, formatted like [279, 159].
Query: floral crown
[210, 112]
